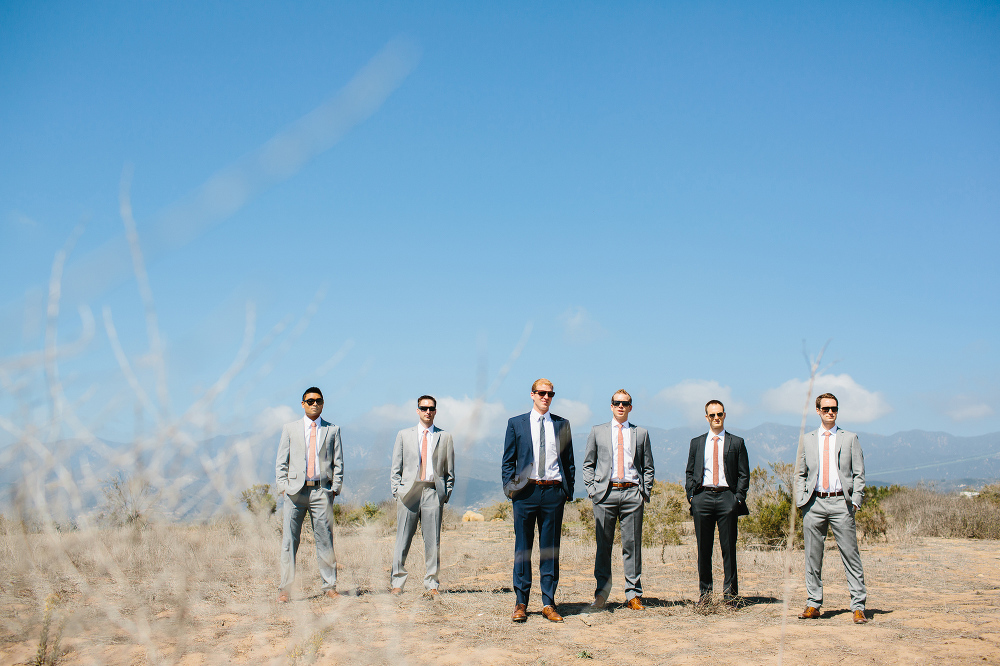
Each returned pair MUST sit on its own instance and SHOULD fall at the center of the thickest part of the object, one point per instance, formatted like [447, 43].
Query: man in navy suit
[538, 475]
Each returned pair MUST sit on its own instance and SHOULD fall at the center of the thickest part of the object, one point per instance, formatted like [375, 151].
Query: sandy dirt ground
[198, 599]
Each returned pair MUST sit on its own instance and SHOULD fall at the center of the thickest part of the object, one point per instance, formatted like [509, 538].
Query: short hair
[427, 397]
[621, 391]
[827, 395]
[539, 382]
[714, 402]
[311, 389]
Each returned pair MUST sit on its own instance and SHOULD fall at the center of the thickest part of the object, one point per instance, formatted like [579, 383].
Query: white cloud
[467, 418]
[20, 218]
[689, 398]
[577, 412]
[967, 411]
[271, 419]
[857, 404]
[580, 327]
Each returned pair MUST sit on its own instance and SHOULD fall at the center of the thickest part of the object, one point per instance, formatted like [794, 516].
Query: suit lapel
[635, 446]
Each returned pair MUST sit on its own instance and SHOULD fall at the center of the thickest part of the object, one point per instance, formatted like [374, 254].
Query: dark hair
[311, 389]
[715, 402]
[827, 395]
[427, 397]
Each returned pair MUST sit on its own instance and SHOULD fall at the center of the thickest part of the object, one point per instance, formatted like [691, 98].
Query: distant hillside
[199, 476]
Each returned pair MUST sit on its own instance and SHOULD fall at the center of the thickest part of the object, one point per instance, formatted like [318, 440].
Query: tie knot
[312, 425]
[715, 439]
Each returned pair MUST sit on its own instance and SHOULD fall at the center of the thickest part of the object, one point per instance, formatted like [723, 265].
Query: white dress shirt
[835, 485]
[631, 474]
[720, 462]
[306, 428]
[431, 443]
[536, 421]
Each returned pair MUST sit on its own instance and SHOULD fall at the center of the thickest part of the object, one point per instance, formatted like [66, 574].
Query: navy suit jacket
[519, 456]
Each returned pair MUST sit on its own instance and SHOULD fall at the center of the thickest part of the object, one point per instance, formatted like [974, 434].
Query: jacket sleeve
[396, 474]
[337, 480]
[590, 462]
[569, 464]
[801, 473]
[508, 464]
[689, 481]
[742, 473]
[281, 462]
[648, 474]
[858, 470]
[449, 481]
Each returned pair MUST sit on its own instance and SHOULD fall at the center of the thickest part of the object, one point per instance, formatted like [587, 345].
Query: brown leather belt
[836, 494]
[548, 483]
[615, 484]
[313, 484]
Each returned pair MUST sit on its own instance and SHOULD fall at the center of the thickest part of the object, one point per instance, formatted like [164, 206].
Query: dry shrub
[259, 500]
[663, 515]
[923, 512]
[502, 510]
[770, 503]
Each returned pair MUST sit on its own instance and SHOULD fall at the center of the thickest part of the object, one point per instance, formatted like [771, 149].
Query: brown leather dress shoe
[520, 613]
[396, 591]
[859, 617]
[810, 613]
[333, 594]
[635, 603]
[283, 598]
[599, 604]
[433, 592]
[551, 614]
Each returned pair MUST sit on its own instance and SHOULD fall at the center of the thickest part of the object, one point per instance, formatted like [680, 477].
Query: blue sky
[675, 198]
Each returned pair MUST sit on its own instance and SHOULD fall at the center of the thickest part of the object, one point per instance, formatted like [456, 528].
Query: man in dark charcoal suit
[538, 473]
[717, 480]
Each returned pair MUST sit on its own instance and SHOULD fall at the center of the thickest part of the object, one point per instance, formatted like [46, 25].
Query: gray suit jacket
[598, 465]
[850, 467]
[406, 463]
[290, 465]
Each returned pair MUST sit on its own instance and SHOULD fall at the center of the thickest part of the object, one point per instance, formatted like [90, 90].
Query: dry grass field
[207, 595]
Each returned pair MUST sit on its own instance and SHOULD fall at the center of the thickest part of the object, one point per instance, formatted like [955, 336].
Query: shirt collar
[319, 421]
[626, 424]
[421, 428]
[535, 415]
[833, 430]
[721, 435]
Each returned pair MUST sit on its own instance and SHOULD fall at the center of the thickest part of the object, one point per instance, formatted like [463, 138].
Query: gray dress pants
[819, 515]
[318, 502]
[426, 510]
[625, 505]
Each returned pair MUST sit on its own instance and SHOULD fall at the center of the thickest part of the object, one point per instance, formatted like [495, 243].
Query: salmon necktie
[423, 457]
[826, 461]
[311, 463]
[715, 460]
[621, 453]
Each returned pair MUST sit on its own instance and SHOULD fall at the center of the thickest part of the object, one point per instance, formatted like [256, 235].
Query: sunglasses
[427, 409]
[545, 394]
[717, 415]
[828, 409]
[313, 401]
[621, 403]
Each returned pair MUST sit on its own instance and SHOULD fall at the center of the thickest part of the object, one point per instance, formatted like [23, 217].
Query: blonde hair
[621, 391]
[539, 382]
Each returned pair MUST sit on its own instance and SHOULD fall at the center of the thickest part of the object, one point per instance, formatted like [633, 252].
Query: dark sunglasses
[621, 403]
[427, 409]
[828, 409]
[545, 394]
[717, 415]
[313, 401]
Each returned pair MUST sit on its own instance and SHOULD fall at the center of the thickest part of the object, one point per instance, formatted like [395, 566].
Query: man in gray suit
[422, 477]
[309, 471]
[830, 486]
[618, 474]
